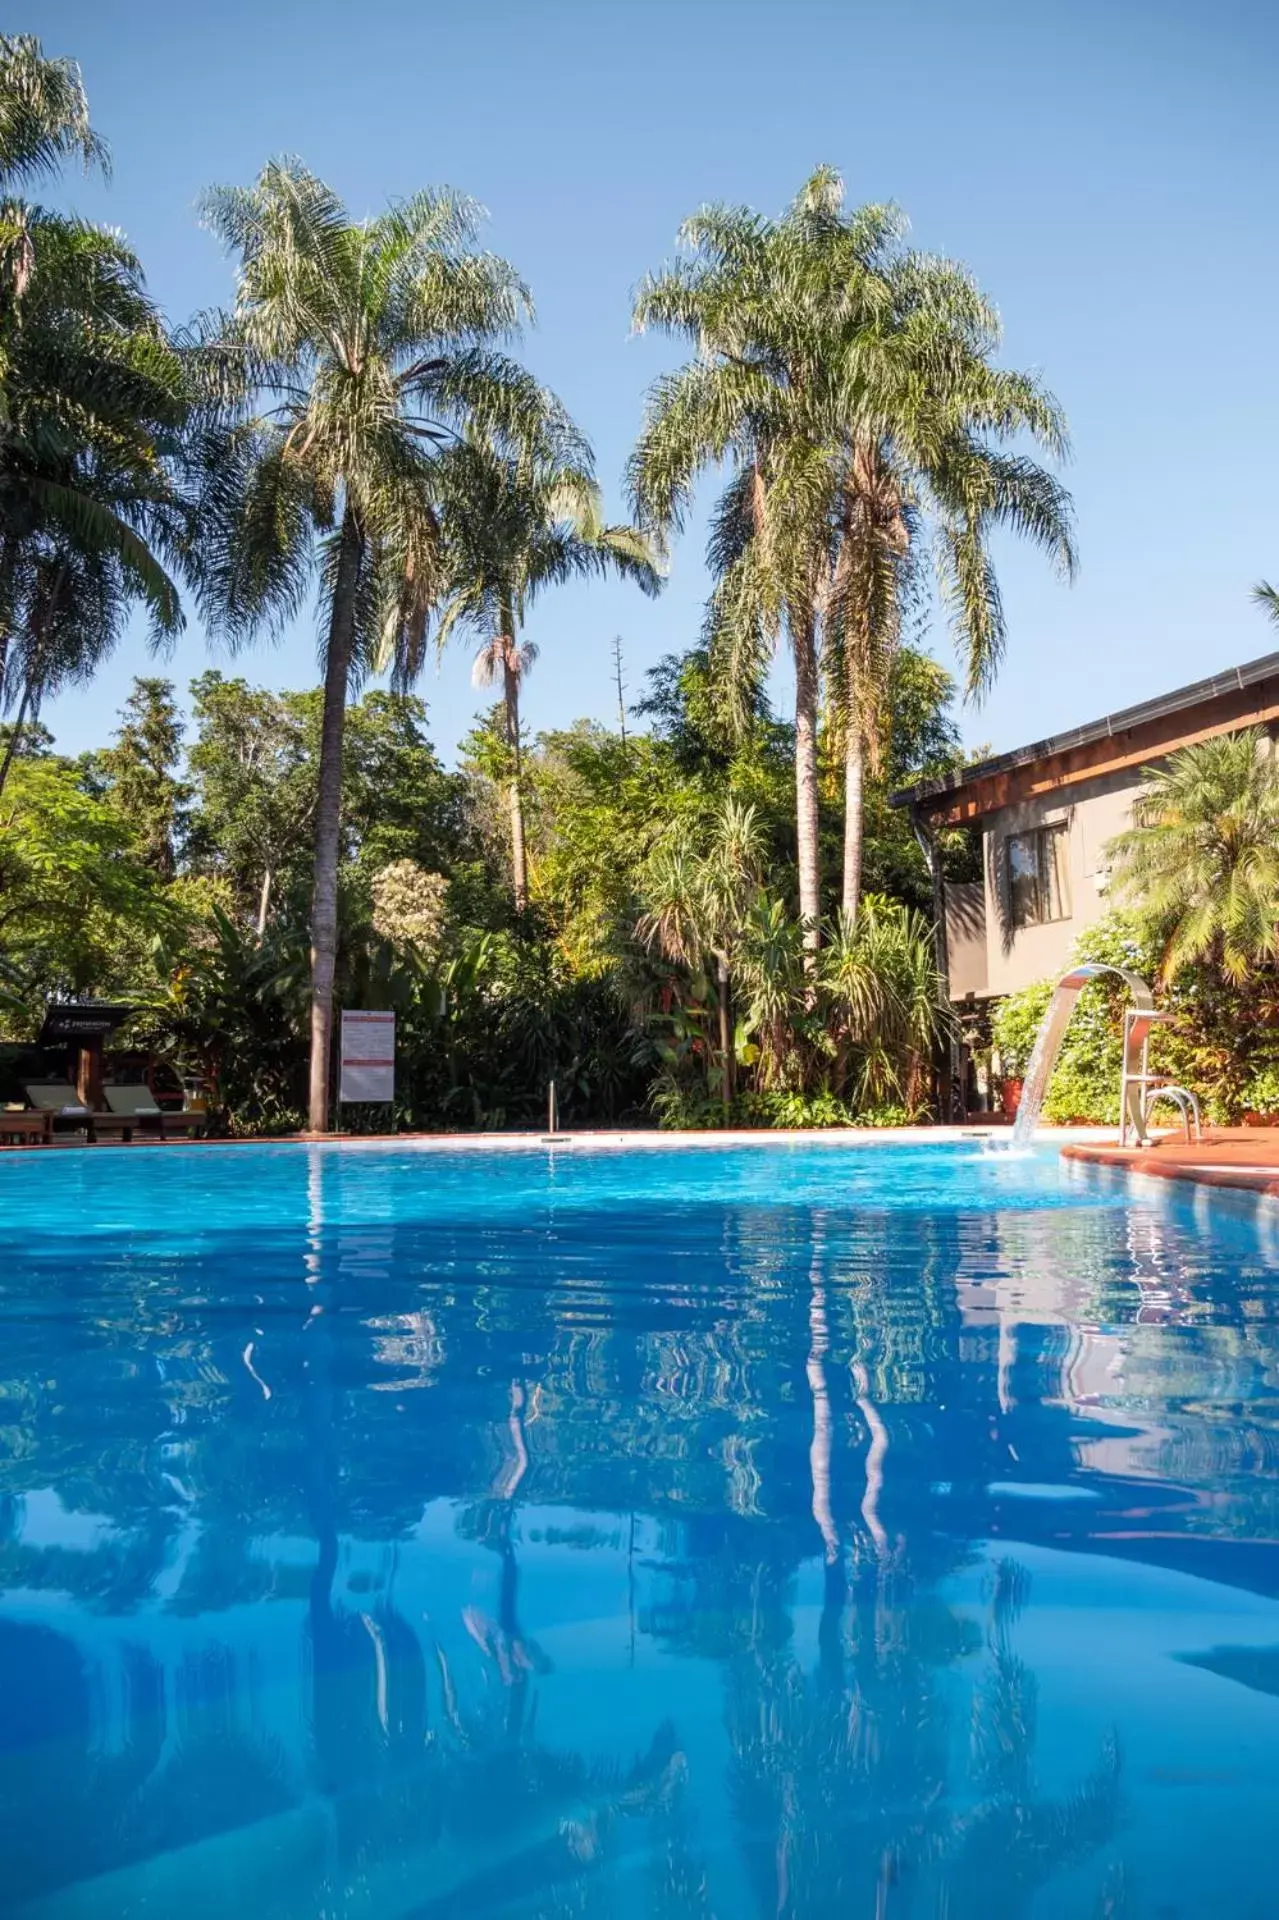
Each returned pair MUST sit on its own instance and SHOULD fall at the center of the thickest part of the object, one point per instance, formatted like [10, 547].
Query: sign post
[368, 1057]
[83, 1025]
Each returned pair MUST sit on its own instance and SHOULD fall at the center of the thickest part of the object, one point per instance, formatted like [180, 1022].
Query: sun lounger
[58, 1099]
[139, 1104]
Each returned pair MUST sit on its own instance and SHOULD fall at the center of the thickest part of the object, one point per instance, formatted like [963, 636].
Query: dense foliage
[172, 867]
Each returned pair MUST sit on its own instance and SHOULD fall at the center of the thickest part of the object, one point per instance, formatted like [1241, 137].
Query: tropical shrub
[1200, 862]
[1260, 1092]
[856, 1028]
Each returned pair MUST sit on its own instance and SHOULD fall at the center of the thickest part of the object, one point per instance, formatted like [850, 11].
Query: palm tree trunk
[806, 819]
[725, 987]
[519, 858]
[264, 902]
[32, 689]
[7, 547]
[854, 786]
[328, 821]
[15, 735]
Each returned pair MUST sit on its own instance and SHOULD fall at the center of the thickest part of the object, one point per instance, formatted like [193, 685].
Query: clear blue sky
[1108, 168]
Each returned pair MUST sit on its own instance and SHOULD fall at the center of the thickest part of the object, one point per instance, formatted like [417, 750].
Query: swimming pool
[786, 1530]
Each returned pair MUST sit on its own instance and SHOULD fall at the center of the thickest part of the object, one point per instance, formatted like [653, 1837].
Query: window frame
[1040, 837]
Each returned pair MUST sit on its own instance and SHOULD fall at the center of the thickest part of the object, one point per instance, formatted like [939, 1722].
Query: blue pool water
[778, 1531]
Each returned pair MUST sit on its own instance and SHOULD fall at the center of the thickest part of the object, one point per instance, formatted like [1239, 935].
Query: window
[1037, 886]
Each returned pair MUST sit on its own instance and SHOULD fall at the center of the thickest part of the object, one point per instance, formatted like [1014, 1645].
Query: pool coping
[513, 1139]
[1186, 1167]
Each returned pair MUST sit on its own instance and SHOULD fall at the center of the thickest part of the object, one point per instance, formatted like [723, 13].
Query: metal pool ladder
[1182, 1098]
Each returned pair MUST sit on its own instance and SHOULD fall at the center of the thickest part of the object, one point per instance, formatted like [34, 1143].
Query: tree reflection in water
[346, 1627]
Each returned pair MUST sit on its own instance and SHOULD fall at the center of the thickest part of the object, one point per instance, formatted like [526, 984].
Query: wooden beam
[1114, 753]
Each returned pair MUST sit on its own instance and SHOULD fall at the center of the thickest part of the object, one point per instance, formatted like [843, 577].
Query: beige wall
[1093, 811]
[966, 937]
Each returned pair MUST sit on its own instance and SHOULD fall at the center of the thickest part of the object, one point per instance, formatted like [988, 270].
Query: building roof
[1200, 693]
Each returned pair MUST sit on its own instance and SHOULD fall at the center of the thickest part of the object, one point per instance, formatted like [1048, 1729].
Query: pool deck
[1244, 1158]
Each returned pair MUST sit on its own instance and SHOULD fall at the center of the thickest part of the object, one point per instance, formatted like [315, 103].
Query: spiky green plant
[883, 1001]
[1201, 859]
[697, 902]
[356, 352]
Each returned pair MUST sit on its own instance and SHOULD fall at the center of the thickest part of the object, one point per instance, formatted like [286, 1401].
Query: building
[1046, 813]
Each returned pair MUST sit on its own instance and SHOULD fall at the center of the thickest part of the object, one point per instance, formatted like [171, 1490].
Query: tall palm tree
[93, 402]
[44, 120]
[1201, 859]
[44, 115]
[514, 526]
[917, 423]
[850, 383]
[741, 399]
[355, 353]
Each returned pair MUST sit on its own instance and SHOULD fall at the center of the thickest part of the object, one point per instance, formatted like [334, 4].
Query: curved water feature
[1053, 1031]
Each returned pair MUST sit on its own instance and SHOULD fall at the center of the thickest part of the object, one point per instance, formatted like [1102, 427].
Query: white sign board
[368, 1056]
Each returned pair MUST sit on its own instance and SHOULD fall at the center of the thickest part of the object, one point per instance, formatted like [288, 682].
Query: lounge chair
[58, 1099]
[138, 1104]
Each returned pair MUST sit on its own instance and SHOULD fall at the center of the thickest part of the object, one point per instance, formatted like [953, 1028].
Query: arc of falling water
[1052, 1032]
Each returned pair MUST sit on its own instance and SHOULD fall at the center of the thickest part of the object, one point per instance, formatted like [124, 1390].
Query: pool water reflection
[778, 1531]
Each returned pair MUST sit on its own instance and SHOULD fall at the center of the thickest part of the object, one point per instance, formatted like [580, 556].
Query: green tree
[514, 527]
[253, 781]
[78, 903]
[141, 770]
[917, 424]
[740, 399]
[1201, 860]
[849, 384]
[355, 349]
[401, 804]
[253, 762]
[91, 510]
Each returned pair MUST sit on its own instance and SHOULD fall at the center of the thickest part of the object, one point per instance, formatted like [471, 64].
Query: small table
[27, 1126]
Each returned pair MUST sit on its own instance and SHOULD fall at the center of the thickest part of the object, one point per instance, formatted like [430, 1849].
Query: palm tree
[741, 399]
[916, 420]
[850, 383]
[44, 120]
[884, 1002]
[1201, 859]
[44, 115]
[698, 903]
[512, 527]
[92, 406]
[354, 355]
